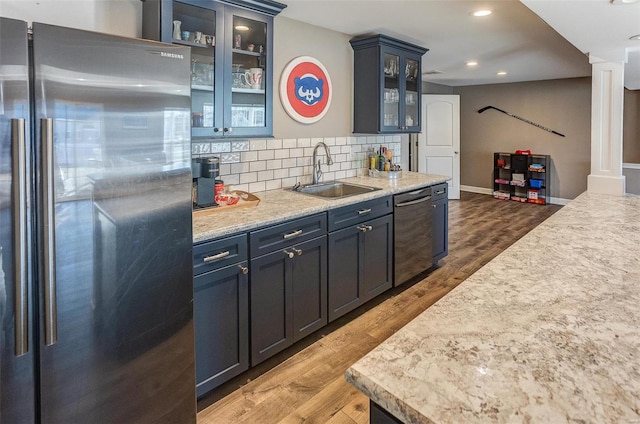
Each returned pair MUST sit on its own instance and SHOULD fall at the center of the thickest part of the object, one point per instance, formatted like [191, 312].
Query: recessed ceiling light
[481, 13]
[635, 37]
[472, 63]
[242, 28]
[501, 73]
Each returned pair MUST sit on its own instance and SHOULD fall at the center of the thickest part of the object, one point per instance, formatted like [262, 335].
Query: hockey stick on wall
[521, 118]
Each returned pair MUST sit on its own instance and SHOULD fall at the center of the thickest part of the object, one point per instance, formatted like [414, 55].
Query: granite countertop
[547, 332]
[280, 205]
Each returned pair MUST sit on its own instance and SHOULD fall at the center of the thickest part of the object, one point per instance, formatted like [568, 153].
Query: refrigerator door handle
[19, 177]
[48, 202]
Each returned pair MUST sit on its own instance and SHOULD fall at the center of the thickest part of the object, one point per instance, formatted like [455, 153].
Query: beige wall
[561, 105]
[294, 38]
[631, 134]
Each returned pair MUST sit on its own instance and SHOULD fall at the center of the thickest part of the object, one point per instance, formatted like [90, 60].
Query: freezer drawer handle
[19, 168]
[292, 235]
[216, 257]
[364, 211]
[414, 202]
[48, 209]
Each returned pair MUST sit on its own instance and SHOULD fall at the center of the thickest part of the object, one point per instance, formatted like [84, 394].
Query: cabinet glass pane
[411, 97]
[391, 90]
[248, 94]
[195, 27]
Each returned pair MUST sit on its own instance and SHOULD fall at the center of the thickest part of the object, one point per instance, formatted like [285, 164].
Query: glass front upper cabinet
[196, 27]
[387, 85]
[249, 72]
[231, 61]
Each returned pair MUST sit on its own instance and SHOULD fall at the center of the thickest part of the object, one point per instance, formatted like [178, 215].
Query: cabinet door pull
[291, 235]
[365, 228]
[368, 227]
[298, 251]
[364, 211]
[289, 254]
[440, 192]
[216, 257]
[244, 269]
[434, 206]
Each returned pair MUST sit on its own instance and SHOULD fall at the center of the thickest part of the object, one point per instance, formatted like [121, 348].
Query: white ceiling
[512, 39]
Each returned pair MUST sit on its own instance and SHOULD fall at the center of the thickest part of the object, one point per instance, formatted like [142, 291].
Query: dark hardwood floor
[305, 383]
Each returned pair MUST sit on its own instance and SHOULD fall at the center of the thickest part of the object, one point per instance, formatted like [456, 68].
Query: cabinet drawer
[219, 253]
[286, 234]
[439, 191]
[359, 212]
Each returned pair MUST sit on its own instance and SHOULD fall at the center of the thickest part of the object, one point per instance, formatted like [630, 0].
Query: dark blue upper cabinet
[231, 61]
[387, 85]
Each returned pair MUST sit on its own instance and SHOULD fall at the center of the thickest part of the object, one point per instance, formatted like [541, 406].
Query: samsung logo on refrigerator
[172, 55]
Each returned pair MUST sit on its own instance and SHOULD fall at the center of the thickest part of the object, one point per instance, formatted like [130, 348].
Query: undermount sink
[334, 189]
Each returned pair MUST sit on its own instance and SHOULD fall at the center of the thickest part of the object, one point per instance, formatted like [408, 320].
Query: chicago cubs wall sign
[305, 89]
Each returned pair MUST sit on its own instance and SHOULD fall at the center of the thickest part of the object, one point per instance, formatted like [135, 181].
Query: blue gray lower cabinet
[360, 254]
[440, 220]
[221, 311]
[288, 284]
[258, 293]
[360, 264]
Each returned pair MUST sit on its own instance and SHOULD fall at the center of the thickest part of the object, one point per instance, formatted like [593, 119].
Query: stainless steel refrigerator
[96, 295]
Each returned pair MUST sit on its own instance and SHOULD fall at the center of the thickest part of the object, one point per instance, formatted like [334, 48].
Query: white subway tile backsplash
[200, 148]
[257, 165]
[265, 175]
[239, 168]
[281, 173]
[240, 146]
[266, 155]
[273, 184]
[230, 157]
[259, 186]
[220, 147]
[289, 143]
[289, 163]
[296, 153]
[258, 144]
[281, 154]
[275, 144]
[249, 156]
[304, 142]
[274, 164]
[248, 177]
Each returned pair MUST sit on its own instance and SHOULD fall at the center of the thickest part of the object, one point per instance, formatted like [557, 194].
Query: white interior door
[439, 141]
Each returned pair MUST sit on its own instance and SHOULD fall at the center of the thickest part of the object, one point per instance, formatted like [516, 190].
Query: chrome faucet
[317, 172]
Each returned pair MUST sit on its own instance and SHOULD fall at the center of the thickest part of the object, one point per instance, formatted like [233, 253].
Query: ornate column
[607, 100]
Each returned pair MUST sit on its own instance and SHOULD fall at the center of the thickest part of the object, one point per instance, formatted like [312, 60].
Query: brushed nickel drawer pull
[440, 192]
[216, 257]
[291, 235]
[364, 211]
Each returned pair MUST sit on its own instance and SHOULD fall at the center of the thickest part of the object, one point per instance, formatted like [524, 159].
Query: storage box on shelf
[521, 177]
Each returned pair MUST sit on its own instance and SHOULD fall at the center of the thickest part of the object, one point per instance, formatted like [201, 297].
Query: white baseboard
[472, 189]
[483, 190]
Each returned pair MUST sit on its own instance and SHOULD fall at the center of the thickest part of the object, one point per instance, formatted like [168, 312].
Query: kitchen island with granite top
[547, 332]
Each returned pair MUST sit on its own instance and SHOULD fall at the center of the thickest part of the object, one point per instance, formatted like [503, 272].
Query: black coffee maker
[205, 171]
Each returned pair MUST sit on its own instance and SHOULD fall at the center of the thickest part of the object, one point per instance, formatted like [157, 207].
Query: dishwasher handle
[413, 202]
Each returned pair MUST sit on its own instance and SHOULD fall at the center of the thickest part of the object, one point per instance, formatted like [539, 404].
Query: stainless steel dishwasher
[413, 249]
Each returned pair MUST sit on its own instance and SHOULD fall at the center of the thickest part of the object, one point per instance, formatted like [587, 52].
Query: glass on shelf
[391, 66]
[193, 25]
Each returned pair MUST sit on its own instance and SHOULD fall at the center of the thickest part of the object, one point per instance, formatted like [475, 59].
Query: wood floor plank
[306, 382]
